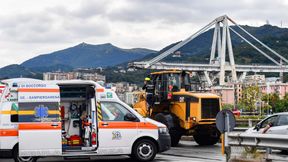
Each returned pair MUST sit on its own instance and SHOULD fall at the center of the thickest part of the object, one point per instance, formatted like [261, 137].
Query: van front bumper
[164, 142]
[5, 153]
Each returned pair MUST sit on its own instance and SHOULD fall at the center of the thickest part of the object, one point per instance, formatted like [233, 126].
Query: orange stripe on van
[118, 125]
[144, 125]
[8, 112]
[37, 90]
[8, 132]
[99, 90]
[126, 125]
[39, 126]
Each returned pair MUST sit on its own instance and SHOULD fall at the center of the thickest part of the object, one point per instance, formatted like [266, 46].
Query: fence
[247, 122]
[254, 147]
[243, 124]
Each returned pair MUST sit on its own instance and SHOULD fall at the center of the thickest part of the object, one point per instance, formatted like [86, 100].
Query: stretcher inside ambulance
[71, 119]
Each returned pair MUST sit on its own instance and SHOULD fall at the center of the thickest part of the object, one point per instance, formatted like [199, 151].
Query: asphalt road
[186, 151]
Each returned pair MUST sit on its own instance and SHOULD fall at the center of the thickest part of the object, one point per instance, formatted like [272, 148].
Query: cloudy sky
[32, 27]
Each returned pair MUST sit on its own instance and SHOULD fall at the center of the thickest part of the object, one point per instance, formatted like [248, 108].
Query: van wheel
[17, 158]
[144, 150]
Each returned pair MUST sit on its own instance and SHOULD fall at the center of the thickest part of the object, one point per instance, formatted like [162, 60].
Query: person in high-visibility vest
[149, 87]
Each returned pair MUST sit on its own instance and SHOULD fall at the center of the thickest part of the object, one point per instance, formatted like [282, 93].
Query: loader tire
[174, 130]
[205, 140]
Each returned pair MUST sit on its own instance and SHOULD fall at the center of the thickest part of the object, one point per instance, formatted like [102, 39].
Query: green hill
[111, 57]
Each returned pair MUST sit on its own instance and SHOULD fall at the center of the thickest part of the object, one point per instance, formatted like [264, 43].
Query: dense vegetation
[136, 77]
[253, 100]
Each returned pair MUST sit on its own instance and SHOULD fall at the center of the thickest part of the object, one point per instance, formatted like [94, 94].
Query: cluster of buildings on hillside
[120, 69]
[232, 94]
[127, 92]
[84, 74]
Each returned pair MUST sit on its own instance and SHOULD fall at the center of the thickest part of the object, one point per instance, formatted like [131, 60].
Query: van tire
[144, 150]
[22, 159]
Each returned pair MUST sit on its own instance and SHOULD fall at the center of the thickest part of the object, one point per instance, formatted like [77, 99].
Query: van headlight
[163, 130]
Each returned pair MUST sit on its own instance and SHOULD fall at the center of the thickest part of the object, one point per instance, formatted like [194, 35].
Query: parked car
[273, 124]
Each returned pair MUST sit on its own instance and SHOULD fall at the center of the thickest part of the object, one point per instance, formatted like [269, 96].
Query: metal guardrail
[240, 129]
[258, 140]
[241, 146]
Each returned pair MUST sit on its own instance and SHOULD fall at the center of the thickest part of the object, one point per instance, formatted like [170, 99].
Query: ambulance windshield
[112, 111]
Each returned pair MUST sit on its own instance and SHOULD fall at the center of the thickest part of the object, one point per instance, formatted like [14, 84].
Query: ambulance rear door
[39, 120]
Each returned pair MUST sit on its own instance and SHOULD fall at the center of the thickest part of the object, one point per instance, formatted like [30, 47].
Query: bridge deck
[212, 68]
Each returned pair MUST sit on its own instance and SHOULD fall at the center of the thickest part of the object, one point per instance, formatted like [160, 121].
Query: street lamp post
[268, 90]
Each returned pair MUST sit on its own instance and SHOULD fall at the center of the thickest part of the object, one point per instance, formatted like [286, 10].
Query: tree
[228, 107]
[272, 100]
[250, 95]
[282, 105]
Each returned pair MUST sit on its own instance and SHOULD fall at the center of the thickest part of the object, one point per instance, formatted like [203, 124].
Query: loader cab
[167, 82]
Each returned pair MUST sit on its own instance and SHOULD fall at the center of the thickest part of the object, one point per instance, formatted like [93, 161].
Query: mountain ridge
[196, 51]
[87, 55]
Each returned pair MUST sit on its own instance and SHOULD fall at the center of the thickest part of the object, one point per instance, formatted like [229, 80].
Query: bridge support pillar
[242, 76]
[223, 54]
[208, 78]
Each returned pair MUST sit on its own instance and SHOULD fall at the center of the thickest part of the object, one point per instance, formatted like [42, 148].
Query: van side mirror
[130, 117]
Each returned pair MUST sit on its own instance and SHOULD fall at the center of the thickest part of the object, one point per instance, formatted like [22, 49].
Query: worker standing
[149, 88]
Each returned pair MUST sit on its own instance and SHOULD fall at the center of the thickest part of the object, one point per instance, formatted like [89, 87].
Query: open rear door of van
[39, 120]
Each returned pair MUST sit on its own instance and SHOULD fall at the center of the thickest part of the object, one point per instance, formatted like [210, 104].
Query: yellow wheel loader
[184, 112]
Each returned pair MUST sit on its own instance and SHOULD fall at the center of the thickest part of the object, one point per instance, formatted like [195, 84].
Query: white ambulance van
[73, 119]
